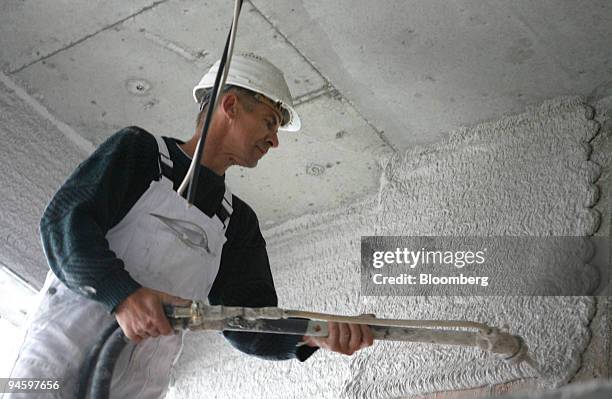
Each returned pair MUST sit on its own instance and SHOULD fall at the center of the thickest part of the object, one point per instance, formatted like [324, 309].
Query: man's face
[253, 131]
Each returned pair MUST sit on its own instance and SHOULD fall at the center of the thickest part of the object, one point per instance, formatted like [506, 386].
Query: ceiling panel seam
[329, 85]
[312, 95]
[79, 141]
[290, 43]
[86, 37]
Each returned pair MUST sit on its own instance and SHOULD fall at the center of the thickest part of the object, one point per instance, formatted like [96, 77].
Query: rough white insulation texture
[36, 158]
[523, 175]
[597, 389]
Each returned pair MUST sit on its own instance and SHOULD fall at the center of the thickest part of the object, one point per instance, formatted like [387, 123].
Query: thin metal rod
[192, 175]
[424, 335]
[373, 321]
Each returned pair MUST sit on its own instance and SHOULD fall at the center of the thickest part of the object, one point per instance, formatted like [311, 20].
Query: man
[120, 242]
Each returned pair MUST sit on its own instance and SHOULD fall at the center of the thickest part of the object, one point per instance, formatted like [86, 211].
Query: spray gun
[200, 316]
[96, 371]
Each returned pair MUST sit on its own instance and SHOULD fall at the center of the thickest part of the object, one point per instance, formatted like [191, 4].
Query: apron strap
[164, 161]
[225, 210]
[165, 169]
[227, 200]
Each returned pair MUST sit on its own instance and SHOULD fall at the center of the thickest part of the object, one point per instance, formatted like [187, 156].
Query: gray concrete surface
[419, 69]
[405, 72]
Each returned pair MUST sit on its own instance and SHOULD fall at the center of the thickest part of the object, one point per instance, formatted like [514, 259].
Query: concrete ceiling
[369, 77]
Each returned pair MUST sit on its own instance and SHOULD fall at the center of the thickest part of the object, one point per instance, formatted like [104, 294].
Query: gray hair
[242, 93]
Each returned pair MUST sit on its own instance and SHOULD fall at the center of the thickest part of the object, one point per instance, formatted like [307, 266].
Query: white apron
[165, 245]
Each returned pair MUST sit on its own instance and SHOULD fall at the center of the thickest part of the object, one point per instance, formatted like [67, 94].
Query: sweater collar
[184, 161]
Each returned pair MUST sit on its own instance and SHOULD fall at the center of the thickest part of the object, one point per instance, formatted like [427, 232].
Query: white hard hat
[257, 74]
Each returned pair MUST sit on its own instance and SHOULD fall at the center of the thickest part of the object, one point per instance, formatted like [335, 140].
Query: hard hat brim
[294, 123]
[255, 73]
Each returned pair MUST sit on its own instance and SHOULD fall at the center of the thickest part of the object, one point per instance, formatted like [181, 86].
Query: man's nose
[274, 140]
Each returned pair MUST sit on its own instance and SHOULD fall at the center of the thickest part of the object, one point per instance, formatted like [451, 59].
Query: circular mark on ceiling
[138, 87]
[150, 104]
[315, 169]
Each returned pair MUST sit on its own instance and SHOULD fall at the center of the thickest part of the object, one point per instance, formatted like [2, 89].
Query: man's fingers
[332, 331]
[356, 337]
[141, 315]
[162, 325]
[129, 332]
[133, 336]
[166, 328]
[344, 336]
[367, 339]
[331, 342]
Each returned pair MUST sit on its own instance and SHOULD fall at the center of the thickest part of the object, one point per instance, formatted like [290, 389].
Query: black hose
[97, 369]
[191, 193]
[103, 372]
[91, 359]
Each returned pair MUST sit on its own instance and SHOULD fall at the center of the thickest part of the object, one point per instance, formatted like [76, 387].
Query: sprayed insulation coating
[528, 174]
[36, 158]
[479, 181]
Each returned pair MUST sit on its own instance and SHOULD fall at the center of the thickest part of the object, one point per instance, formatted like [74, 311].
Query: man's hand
[343, 338]
[141, 315]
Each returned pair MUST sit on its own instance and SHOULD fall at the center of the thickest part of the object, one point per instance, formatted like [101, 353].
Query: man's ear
[229, 105]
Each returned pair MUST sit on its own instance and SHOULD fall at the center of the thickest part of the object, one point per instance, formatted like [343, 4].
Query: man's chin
[250, 164]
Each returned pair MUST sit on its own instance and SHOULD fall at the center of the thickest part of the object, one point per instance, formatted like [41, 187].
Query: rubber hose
[90, 360]
[103, 372]
[217, 89]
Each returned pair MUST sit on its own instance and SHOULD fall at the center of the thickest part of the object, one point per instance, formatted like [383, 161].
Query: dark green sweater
[102, 190]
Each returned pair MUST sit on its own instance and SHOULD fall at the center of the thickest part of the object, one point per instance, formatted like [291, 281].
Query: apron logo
[189, 233]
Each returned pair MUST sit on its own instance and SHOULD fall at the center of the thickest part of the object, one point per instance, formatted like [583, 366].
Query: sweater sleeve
[244, 279]
[97, 195]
